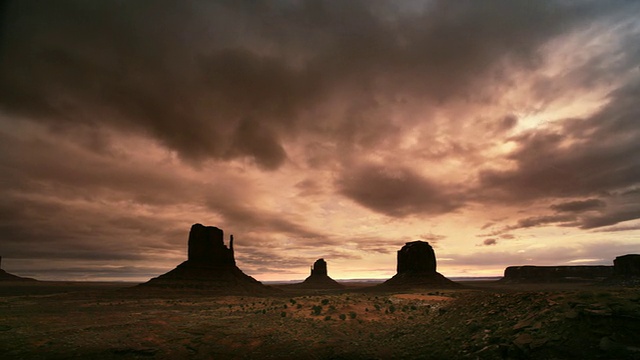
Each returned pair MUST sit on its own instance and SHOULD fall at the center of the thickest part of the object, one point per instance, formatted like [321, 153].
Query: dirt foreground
[486, 321]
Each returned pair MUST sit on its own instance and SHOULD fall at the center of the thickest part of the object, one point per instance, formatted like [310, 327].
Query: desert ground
[482, 320]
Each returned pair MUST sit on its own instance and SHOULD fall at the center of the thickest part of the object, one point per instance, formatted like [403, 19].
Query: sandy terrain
[488, 321]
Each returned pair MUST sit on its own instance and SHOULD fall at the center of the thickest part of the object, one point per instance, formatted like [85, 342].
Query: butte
[210, 266]
[417, 268]
[319, 278]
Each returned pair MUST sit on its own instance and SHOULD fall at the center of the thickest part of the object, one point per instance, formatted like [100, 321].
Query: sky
[501, 132]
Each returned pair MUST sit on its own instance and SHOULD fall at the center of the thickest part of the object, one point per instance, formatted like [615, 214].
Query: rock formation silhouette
[625, 271]
[627, 266]
[5, 276]
[417, 268]
[319, 278]
[544, 274]
[210, 266]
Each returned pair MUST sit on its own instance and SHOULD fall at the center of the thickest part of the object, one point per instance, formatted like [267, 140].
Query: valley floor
[484, 320]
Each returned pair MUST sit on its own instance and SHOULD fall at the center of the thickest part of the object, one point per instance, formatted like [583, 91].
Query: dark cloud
[375, 248]
[542, 220]
[501, 233]
[127, 65]
[396, 192]
[578, 214]
[505, 124]
[227, 80]
[253, 139]
[487, 225]
[534, 221]
[587, 157]
[579, 206]
[490, 241]
[41, 226]
[103, 103]
[309, 187]
[610, 218]
[619, 228]
[99, 207]
[546, 168]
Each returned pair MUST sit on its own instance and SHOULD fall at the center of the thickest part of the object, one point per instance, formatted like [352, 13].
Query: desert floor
[483, 320]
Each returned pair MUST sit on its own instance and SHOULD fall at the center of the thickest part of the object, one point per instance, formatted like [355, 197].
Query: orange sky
[503, 134]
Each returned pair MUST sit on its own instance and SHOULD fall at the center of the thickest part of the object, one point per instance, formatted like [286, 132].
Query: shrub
[325, 301]
[327, 318]
[343, 317]
[283, 314]
[392, 309]
[352, 314]
[316, 309]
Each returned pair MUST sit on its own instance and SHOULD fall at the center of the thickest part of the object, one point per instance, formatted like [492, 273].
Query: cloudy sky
[502, 132]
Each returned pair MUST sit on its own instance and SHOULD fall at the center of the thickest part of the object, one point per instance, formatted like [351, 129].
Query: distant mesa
[627, 266]
[625, 270]
[417, 268]
[547, 274]
[210, 266]
[319, 278]
[5, 276]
